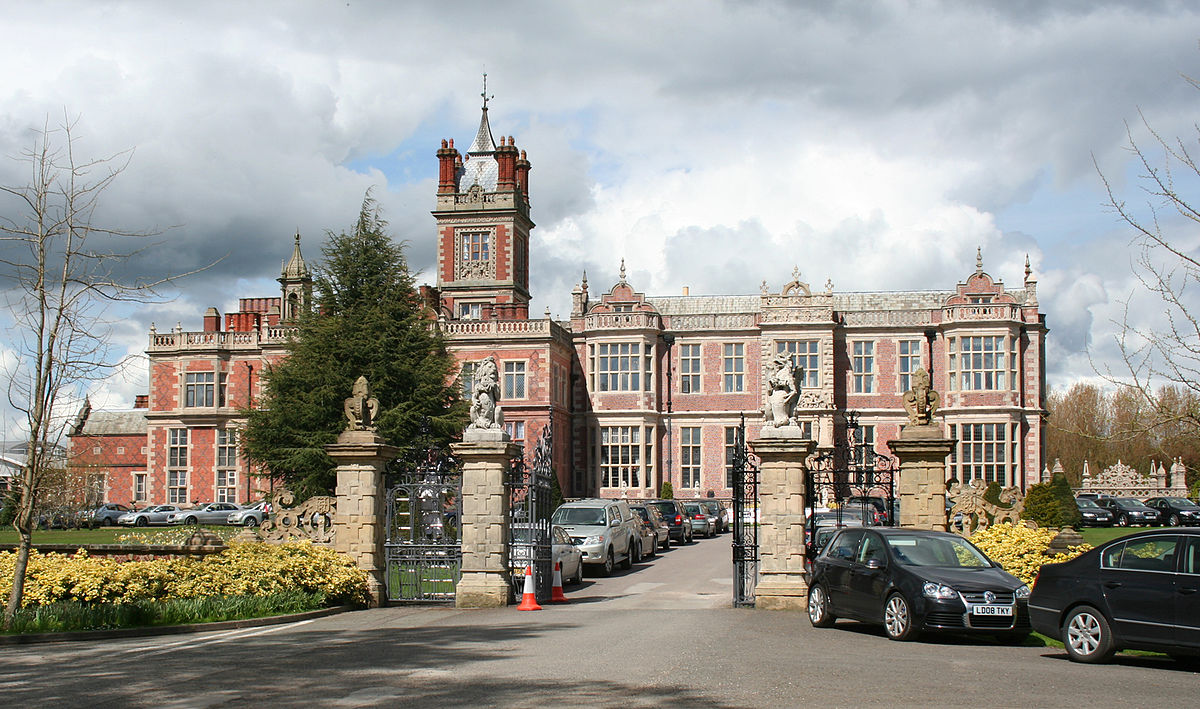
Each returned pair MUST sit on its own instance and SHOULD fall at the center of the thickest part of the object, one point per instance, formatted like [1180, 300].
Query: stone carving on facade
[475, 266]
[781, 393]
[977, 512]
[921, 401]
[361, 408]
[485, 397]
[311, 520]
[814, 400]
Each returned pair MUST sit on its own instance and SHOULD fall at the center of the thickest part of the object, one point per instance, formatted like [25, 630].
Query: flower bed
[1021, 550]
[244, 569]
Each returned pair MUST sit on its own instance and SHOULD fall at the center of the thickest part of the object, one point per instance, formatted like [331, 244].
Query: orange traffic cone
[529, 596]
[556, 593]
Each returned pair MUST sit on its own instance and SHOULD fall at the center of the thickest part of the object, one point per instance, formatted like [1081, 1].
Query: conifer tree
[368, 320]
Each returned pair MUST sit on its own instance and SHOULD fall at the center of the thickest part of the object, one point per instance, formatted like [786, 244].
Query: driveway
[660, 635]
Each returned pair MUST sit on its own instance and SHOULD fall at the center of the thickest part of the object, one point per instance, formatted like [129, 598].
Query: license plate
[991, 610]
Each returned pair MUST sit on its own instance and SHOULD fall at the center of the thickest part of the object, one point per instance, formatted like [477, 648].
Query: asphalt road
[660, 635]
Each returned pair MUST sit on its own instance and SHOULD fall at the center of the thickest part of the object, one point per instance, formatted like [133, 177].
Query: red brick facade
[640, 390]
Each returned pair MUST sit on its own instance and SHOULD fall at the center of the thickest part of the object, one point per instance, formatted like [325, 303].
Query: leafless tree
[1163, 356]
[61, 272]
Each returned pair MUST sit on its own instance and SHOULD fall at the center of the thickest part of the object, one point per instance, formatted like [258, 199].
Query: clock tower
[483, 228]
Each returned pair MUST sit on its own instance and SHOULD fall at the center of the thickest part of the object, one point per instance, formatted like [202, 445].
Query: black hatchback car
[1136, 592]
[912, 581]
[678, 521]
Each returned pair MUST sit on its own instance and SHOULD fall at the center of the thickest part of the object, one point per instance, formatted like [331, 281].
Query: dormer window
[622, 308]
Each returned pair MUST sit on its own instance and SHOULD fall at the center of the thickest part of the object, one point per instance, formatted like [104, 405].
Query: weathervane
[484, 93]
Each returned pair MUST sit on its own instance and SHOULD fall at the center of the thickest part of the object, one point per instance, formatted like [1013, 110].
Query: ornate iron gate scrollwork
[423, 550]
[530, 540]
[745, 522]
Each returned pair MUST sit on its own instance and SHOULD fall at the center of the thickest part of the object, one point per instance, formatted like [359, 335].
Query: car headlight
[1022, 592]
[594, 539]
[933, 590]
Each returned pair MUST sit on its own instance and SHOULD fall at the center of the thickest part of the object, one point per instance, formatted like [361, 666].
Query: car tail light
[678, 519]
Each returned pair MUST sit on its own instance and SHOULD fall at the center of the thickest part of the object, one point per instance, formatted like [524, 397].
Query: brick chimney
[448, 159]
[506, 158]
[141, 401]
[522, 167]
[212, 320]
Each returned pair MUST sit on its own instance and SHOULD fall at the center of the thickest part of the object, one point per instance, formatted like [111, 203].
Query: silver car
[211, 513]
[251, 516]
[603, 530]
[155, 515]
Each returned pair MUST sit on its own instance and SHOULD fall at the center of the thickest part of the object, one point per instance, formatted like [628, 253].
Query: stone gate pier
[781, 509]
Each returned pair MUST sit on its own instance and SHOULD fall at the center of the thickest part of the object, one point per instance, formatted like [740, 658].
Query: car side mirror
[874, 564]
[614, 523]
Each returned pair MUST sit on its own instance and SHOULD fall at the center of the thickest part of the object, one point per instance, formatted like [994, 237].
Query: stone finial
[829, 286]
[763, 289]
[781, 393]
[622, 270]
[1058, 467]
[485, 397]
[361, 408]
[978, 259]
[1028, 269]
[921, 401]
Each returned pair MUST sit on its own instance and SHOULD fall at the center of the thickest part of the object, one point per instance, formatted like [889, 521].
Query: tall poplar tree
[368, 319]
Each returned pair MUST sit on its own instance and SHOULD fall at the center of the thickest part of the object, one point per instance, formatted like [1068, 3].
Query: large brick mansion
[640, 389]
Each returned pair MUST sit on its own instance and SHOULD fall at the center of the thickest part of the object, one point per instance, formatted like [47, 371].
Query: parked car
[604, 530]
[1093, 515]
[672, 512]
[1175, 511]
[155, 515]
[716, 510]
[912, 581]
[211, 513]
[842, 517]
[877, 505]
[701, 522]
[1141, 592]
[647, 536]
[251, 516]
[103, 516]
[653, 519]
[816, 540]
[562, 550]
[1127, 511]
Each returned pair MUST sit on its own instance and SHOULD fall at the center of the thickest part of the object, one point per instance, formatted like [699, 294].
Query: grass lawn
[1098, 535]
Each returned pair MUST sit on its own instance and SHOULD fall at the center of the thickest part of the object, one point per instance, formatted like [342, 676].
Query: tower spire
[484, 93]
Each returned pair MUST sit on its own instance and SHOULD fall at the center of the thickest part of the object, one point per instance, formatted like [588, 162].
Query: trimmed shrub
[1021, 550]
[1052, 504]
[666, 492]
[247, 569]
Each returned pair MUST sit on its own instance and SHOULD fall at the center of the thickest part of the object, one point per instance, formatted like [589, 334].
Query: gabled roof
[115, 423]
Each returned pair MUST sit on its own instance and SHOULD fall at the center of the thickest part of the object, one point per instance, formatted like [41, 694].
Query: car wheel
[1173, 520]
[1087, 636]
[609, 563]
[578, 579]
[819, 612]
[251, 522]
[630, 555]
[108, 522]
[897, 618]
[666, 544]
[142, 522]
[190, 520]
[1122, 521]
[653, 549]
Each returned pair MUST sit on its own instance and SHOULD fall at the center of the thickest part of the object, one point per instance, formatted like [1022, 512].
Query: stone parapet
[484, 530]
[922, 453]
[781, 508]
[361, 516]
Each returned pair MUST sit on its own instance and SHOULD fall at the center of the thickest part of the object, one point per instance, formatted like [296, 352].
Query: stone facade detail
[1122, 480]
[361, 516]
[485, 512]
[781, 509]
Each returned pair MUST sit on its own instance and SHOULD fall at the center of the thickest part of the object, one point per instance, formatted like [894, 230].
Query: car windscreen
[1084, 502]
[1129, 502]
[918, 550]
[583, 516]
[1182, 503]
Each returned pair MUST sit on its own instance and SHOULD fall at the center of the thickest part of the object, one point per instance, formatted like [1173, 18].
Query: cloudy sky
[712, 145]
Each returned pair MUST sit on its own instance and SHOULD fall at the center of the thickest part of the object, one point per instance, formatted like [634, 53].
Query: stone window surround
[648, 432]
[516, 376]
[1010, 447]
[698, 373]
[733, 367]
[140, 476]
[473, 269]
[862, 382]
[916, 361]
[1013, 353]
[648, 372]
[691, 456]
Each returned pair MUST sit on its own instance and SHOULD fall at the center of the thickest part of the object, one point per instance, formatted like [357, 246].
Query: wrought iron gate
[745, 522]
[530, 540]
[852, 477]
[423, 550]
